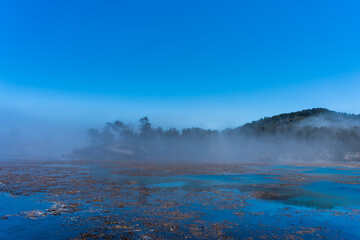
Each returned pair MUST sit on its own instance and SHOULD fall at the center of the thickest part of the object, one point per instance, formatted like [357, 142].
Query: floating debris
[35, 214]
[134, 201]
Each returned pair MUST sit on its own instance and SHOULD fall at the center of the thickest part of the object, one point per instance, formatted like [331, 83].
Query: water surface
[98, 200]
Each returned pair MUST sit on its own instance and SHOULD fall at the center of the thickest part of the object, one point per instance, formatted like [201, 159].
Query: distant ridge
[307, 135]
[287, 120]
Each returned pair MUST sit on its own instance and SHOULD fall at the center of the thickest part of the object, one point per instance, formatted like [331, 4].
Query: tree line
[318, 132]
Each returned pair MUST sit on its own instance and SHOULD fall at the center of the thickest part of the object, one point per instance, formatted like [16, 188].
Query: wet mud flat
[142, 200]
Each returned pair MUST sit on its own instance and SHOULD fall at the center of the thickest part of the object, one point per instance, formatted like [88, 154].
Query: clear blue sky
[183, 63]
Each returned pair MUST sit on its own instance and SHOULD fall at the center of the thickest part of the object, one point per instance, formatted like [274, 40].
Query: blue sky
[182, 63]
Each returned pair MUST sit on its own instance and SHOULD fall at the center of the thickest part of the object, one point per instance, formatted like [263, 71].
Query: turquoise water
[299, 202]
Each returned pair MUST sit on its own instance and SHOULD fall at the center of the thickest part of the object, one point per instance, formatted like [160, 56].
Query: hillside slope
[305, 135]
[316, 117]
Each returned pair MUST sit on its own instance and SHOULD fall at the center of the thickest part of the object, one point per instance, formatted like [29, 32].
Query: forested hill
[288, 121]
[285, 120]
[316, 133]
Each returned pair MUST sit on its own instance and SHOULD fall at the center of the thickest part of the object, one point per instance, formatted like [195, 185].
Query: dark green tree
[145, 127]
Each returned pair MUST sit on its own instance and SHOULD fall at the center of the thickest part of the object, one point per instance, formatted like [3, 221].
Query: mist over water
[23, 136]
[179, 120]
[310, 136]
[317, 135]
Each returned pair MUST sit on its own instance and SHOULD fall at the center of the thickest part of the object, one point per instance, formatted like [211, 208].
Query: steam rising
[307, 136]
[310, 136]
[26, 137]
